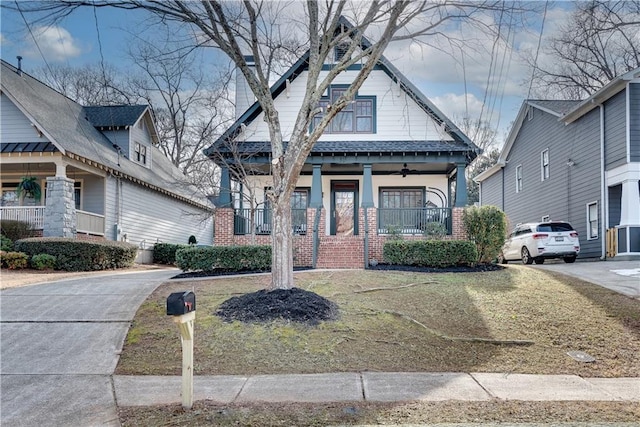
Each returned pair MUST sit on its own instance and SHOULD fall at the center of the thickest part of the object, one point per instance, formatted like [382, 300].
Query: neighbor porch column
[461, 186]
[60, 220]
[316, 187]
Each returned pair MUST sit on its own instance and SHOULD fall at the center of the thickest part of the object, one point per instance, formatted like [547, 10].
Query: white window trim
[519, 179]
[529, 112]
[542, 165]
[589, 236]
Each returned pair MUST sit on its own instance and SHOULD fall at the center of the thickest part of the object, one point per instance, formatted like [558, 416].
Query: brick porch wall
[333, 251]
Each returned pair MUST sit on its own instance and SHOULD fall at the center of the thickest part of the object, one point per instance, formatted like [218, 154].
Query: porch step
[341, 252]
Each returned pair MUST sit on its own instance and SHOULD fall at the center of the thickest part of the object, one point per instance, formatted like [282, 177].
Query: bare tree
[600, 42]
[238, 29]
[89, 85]
[485, 137]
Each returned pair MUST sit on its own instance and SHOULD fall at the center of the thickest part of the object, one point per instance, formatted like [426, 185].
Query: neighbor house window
[544, 164]
[402, 198]
[356, 117]
[518, 178]
[592, 221]
[140, 155]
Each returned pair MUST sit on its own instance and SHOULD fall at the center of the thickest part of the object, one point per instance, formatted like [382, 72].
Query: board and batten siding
[634, 123]
[397, 116]
[16, 127]
[570, 186]
[615, 130]
[491, 190]
[149, 217]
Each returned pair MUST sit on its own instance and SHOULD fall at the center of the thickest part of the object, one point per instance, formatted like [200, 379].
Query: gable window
[140, 153]
[544, 164]
[518, 178]
[356, 117]
[340, 51]
[592, 221]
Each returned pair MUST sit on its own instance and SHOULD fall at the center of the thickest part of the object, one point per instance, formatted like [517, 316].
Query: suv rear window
[555, 226]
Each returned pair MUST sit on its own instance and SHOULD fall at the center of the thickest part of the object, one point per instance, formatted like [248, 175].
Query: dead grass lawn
[425, 322]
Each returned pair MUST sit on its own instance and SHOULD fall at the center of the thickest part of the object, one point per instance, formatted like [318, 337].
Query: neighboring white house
[100, 172]
[387, 164]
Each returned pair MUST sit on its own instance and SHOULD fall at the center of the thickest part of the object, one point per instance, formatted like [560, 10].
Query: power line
[535, 61]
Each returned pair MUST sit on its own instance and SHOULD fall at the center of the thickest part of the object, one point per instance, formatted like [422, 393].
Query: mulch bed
[293, 304]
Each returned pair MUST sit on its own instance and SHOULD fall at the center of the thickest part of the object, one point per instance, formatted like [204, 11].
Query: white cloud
[454, 105]
[55, 43]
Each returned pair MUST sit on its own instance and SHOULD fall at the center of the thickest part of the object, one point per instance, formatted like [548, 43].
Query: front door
[344, 208]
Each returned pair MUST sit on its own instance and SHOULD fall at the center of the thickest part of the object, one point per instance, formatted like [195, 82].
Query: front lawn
[518, 320]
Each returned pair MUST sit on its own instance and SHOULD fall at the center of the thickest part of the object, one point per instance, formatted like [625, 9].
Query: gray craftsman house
[98, 169]
[576, 161]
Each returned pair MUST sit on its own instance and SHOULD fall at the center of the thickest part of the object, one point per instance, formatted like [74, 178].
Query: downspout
[604, 205]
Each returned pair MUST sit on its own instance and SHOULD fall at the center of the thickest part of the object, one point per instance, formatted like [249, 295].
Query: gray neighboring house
[99, 168]
[576, 161]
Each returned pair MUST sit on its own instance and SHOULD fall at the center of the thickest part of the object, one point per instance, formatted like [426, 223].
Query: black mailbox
[179, 303]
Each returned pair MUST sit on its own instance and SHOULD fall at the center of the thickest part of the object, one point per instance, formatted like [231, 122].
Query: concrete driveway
[60, 343]
[619, 276]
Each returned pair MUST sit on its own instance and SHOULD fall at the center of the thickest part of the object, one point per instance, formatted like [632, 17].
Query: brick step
[341, 252]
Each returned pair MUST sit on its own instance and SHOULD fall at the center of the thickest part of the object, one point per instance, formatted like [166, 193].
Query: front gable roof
[66, 125]
[121, 116]
[461, 141]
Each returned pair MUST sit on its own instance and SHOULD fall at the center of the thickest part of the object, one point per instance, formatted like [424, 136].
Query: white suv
[537, 241]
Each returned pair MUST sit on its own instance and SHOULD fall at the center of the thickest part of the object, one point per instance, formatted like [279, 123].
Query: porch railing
[34, 215]
[413, 220]
[244, 222]
[90, 223]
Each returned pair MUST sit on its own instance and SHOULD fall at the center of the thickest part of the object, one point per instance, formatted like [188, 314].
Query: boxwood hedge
[228, 258]
[80, 255]
[430, 253]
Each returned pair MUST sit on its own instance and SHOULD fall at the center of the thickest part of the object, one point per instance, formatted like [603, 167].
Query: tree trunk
[281, 241]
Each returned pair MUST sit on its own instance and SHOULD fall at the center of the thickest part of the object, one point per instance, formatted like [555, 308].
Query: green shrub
[15, 230]
[486, 226]
[14, 260]
[165, 253]
[229, 258]
[81, 255]
[430, 253]
[5, 243]
[43, 262]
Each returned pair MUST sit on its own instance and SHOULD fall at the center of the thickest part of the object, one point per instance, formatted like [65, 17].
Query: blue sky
[86, 36]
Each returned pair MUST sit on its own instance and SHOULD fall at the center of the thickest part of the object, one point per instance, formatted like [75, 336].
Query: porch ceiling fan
[405, 171]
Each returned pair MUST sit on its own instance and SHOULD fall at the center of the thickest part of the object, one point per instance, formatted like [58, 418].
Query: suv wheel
[570, 259]
[526, 256]
[539, 260]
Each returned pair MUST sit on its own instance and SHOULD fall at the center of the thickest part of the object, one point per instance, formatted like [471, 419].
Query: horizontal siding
[565, 194]
[615, 131]
[120, 138]
[149, 216]
[634, 129]
[14, 125]
[491, 190]
[397, 118]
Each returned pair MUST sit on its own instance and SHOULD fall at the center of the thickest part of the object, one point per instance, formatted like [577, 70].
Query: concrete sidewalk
[376, 387]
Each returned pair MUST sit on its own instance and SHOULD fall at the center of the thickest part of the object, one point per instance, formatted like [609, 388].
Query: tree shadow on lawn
[389, 322]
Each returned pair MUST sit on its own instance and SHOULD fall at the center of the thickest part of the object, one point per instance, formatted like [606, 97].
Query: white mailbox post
[182, 306]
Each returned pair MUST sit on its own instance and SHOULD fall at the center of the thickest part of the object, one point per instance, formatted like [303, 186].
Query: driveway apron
[59, 344]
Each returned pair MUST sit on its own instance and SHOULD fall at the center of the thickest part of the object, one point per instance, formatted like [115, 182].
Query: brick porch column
[223, 227]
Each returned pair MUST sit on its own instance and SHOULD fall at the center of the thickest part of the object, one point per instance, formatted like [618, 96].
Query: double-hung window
[544, 164]
[358, 116]
[592, 221]
[518, 178]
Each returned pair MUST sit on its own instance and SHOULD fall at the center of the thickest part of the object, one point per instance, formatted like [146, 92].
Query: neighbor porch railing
[90, 223]
[34, 215]
[260, 221]
[412, 220]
